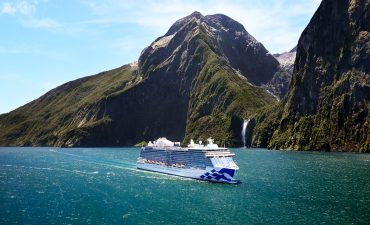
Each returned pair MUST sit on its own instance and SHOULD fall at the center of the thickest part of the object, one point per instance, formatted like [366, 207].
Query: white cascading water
[244, 130]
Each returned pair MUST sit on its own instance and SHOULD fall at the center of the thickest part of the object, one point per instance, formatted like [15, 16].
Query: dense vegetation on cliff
[327, 105]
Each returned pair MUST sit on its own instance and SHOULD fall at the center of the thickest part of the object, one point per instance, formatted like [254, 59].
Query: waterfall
[244, 131]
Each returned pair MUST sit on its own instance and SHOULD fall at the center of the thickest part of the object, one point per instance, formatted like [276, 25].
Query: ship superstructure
[204, 162]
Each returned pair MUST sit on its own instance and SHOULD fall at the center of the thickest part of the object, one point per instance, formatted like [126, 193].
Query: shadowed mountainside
[327, 105]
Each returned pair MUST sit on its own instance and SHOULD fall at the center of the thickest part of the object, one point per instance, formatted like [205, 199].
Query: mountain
[327, 105]
[286, 60]
[279, 84]
[200, 79]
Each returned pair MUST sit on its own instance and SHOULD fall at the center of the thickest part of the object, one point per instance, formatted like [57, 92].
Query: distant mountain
[327, 105]
[279, 83]
[199, 80]
[286, 60]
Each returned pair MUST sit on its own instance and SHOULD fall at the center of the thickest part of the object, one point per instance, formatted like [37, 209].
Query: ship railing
[228, 166]
[175, 148]
[205, 148]
[219, 154]
[148, 161]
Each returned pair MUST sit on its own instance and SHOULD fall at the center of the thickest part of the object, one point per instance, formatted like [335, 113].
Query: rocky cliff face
[327, 105]
[198, 80]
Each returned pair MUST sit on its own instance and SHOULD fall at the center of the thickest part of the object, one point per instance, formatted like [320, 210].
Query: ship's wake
[124, 165]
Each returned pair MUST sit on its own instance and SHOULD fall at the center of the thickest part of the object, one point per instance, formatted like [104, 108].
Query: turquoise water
[102, 186]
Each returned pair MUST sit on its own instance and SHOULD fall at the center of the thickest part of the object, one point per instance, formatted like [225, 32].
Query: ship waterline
[203, 162]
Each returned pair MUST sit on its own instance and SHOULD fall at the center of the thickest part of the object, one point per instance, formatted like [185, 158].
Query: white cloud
[24, 11]
[20, 7]
[7, 8]
[25, 8]
[274, 23]
[277, 24]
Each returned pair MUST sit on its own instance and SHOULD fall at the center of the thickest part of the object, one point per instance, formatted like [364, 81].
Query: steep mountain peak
[222, 22]
[214, 23]
[227, 38]
[195, 16]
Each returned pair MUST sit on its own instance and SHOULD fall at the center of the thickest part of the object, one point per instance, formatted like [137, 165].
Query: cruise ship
[203, 162]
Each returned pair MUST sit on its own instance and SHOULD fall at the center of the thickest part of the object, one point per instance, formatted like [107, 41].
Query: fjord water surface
[103, 186]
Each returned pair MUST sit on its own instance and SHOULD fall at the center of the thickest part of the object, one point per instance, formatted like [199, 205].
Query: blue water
[102, 186]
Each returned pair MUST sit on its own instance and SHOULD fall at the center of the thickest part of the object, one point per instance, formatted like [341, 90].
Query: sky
[45, 43]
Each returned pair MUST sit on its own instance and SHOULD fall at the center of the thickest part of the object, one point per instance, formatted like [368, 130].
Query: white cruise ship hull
[212, 174]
